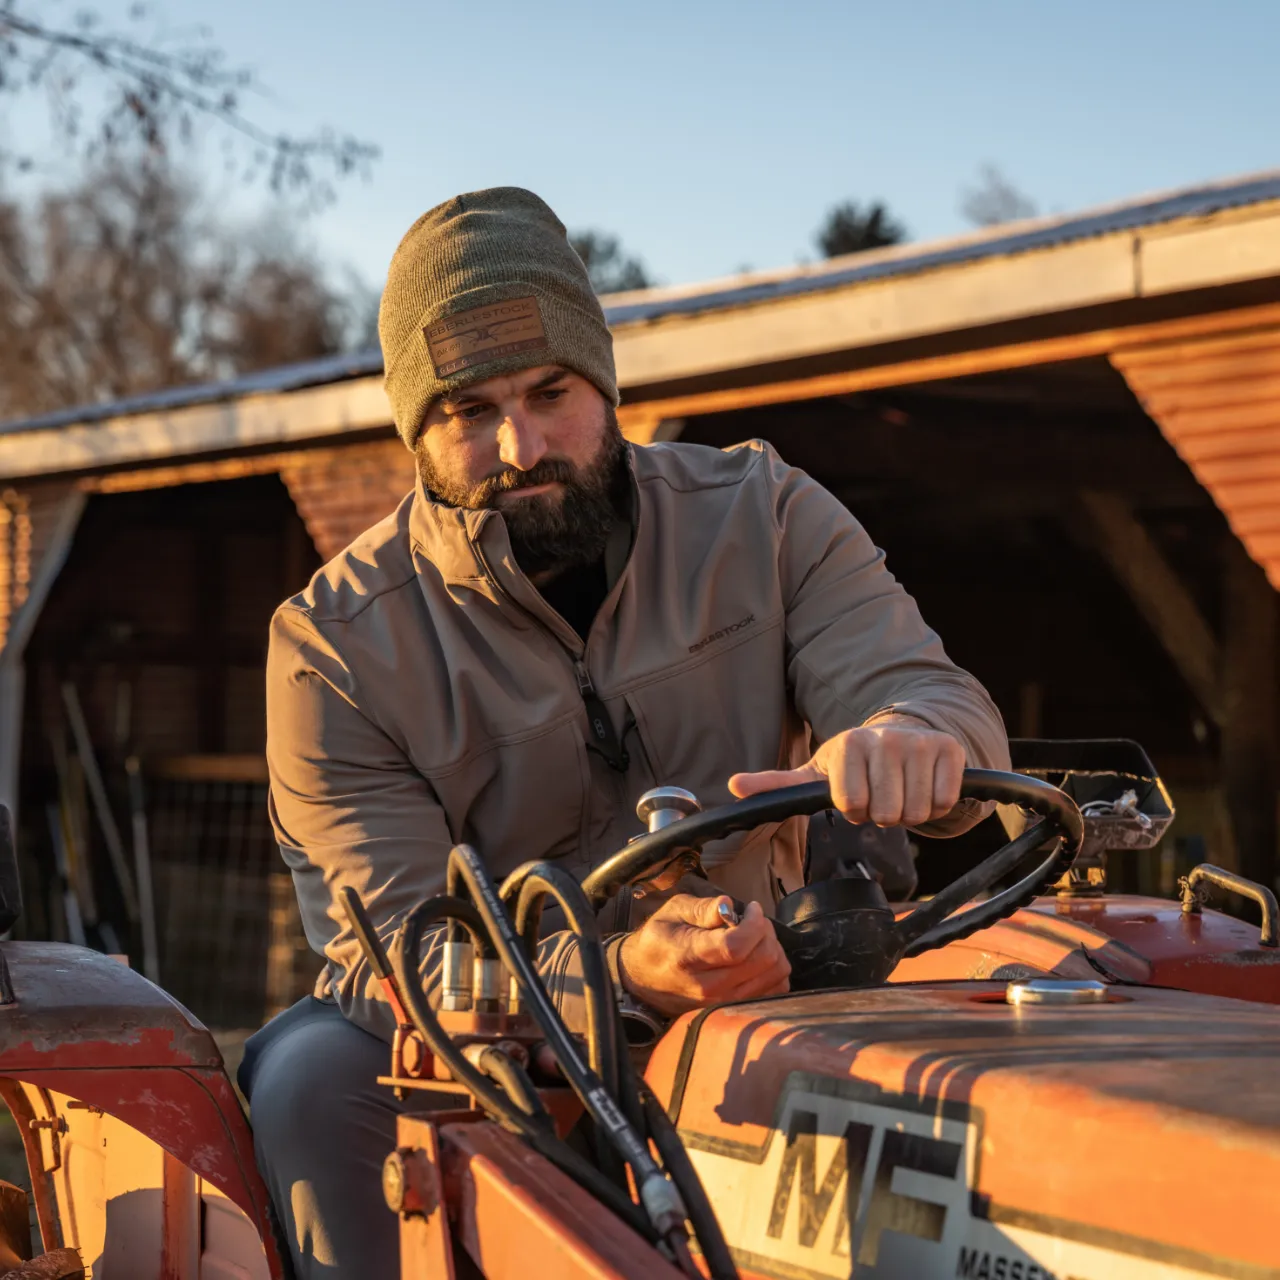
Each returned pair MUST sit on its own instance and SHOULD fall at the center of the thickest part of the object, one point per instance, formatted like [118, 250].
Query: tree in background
[850, 228]
[111, 88]
[122, 280]
[611, 269]
[124, 283]
[994, 199]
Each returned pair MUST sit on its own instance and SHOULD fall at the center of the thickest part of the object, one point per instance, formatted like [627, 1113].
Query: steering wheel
[846, 926]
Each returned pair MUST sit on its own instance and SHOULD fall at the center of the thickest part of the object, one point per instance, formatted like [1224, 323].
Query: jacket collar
[473, 547]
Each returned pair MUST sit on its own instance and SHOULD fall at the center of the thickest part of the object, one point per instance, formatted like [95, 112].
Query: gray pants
[322, 1126]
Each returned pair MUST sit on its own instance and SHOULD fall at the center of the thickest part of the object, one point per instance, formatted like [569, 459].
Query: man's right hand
[683, 957]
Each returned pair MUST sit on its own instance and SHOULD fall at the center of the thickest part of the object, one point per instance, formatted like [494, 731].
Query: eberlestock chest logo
[480, 334]
[851, 1187]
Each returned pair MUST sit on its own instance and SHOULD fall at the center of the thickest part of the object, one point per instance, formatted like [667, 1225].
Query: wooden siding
[1217, 400]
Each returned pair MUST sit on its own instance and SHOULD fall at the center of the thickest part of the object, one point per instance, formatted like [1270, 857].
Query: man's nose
[521, 443]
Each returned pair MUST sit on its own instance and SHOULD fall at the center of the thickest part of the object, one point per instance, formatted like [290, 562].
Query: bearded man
[550, 625]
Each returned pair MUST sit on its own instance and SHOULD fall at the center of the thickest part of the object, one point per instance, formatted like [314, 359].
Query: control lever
[658, 809]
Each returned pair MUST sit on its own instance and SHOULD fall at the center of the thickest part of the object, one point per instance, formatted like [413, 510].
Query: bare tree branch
[156, 94]
[995, 200]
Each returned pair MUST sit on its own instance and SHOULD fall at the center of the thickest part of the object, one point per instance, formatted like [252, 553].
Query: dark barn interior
[157, 630]
[1051, 534]
[1008, 505]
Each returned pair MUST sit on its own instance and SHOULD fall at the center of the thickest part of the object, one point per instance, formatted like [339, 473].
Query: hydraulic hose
[654, 1122]
[405, 960]
[658, 1194]
[544, 880]
[515, 1080]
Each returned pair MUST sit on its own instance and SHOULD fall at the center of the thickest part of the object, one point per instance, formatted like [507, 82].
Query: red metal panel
[1150, 1125]
[518, 1216]
[1131, 939]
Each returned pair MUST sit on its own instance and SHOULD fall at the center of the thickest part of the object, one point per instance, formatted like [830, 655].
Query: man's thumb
[752, 784]
[701, 913]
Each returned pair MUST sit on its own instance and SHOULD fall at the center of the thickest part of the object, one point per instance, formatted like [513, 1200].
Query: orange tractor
[989, 1083]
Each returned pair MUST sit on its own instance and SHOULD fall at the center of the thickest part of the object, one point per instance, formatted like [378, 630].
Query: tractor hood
[935, 1130]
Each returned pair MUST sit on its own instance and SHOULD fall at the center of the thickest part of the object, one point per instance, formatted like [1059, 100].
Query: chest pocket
[519, 799]
[721, 712]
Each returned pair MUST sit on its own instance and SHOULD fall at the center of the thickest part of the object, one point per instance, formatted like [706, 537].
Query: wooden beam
[1099, 342]
[1159, 594]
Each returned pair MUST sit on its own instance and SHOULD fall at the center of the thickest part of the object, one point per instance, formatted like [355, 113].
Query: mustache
[545, 471]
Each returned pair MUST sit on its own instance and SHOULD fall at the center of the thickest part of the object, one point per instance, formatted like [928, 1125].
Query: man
[552, 624]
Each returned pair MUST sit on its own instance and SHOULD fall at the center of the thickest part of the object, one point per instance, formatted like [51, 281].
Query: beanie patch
[481, 334]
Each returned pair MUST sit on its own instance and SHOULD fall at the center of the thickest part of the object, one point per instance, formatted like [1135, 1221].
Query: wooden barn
[1064, 432]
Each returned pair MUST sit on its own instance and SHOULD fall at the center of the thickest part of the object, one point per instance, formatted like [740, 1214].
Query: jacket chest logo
[724, 631]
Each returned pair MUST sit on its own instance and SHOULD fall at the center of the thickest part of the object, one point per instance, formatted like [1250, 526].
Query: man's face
[543, 447]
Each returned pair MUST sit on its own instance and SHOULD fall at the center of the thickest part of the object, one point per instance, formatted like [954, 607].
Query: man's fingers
[948, 775]
[735, 946]
[918, 760]
[752, 784]
[850, 785]
[885, 776]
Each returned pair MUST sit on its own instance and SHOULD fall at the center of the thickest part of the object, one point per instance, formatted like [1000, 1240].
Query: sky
[712, 135]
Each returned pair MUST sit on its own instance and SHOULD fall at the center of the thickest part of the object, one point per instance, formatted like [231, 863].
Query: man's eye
[471, 412]
[553, 393]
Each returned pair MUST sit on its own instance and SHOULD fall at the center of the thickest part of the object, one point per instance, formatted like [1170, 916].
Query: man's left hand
[894, 772]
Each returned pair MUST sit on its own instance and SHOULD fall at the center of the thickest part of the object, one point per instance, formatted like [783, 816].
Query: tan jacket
[421, 692]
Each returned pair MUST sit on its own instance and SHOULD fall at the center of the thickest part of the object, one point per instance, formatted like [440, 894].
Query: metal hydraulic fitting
[490, 985]
[459, 966]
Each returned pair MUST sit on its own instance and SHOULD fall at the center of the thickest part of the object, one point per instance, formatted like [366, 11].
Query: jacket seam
[726, 483]
[492, 744]
[316, 618]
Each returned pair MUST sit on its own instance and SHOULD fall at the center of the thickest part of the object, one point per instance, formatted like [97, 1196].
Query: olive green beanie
[486, 284]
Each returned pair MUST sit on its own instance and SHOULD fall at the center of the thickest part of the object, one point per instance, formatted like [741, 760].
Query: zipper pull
[603, 738]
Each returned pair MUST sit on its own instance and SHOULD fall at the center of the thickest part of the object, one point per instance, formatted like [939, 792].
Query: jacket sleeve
[857, 647]
[349, 808]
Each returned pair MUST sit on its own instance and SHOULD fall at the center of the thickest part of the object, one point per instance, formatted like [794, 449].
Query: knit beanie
[482, 285]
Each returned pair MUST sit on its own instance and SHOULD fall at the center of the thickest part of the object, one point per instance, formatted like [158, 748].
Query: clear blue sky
[712, 134]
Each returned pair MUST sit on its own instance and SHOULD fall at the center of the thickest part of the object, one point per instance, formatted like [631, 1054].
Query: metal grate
[230, 938]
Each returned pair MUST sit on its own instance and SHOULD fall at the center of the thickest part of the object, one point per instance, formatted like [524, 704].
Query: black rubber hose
[510, 895]
[515, 1080]
[660, 1198]
[545, 880]
[706, 1226]
[405, 960]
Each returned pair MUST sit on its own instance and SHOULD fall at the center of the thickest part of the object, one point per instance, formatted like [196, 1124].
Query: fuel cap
[1055, 991]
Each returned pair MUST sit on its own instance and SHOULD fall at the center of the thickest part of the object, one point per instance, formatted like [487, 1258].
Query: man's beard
[549, 533]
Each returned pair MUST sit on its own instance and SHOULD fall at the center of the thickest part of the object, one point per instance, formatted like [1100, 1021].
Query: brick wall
[341, 492]
[29, 520]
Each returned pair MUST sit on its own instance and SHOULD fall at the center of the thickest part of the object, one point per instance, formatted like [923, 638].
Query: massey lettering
[724, 631]
[978, 1264]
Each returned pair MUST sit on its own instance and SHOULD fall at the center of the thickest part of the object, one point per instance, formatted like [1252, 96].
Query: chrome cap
[1055, 991]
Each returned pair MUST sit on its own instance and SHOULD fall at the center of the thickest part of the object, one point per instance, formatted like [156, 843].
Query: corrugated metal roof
[289, 377]
[1217, 400]
[655, 304]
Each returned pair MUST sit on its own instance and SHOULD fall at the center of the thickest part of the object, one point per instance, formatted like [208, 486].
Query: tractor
[1019, 1077]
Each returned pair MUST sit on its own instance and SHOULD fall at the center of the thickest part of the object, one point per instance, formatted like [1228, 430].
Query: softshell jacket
[421, 692]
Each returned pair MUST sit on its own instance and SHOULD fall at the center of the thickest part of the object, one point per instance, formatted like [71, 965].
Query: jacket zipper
[605, 739]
